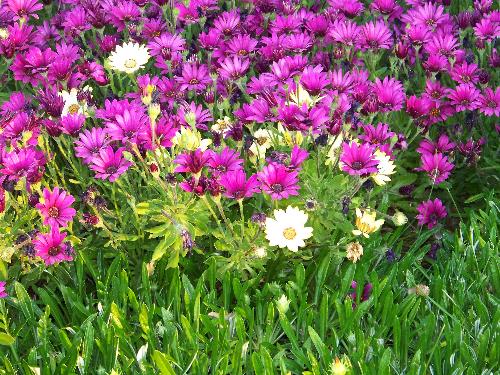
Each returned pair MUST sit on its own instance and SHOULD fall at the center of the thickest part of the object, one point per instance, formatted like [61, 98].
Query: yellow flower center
[289, 233]
[130, 63]
[73, 108]
[261, 140]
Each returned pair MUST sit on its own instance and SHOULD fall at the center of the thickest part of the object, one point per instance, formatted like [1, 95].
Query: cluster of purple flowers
[310, 69]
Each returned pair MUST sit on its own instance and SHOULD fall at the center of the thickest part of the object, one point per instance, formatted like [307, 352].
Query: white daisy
[287, 229]
[72, 105]
[385, 167]
[129, 57]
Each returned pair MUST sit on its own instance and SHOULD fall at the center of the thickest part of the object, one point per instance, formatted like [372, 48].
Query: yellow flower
[366, 223]
[338, 368]
[290, 138]
[190, 140]
[354, 251]
[147, 94]
[386, 167]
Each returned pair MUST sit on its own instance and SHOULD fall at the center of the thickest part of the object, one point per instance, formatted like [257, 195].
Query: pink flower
[225, 161]
[237, 186]
[51, 248]
[192, 162]
[443, 144]
[358, 159]
[430, 212]
[110, 164]
[56, 209]
[278, 181]
[464, 97]
[24, 8]
[3, 293]
[375, 35]
[437, 166]
[489, 102]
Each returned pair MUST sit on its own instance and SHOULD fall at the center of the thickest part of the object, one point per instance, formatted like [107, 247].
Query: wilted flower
[420, 290]
[354, 251]
[287, 229]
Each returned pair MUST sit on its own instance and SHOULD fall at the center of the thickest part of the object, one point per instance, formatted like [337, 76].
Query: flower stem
[240, 203]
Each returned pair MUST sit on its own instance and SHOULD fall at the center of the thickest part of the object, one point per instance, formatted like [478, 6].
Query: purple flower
[110, 164]
[489, 102]
[389, 93]
[23, 9]
[437, 166]
[3, 293]
[51, 248]
[376, 135]
[297, 157]
[90, 143]
[236, 185]
[22, 163]
[225, 162]
[464, 97]
[192, 162]
[56, 208]
[72, 124]
[233, 68]
[376, 35]
[430, 212]
[443, 144]
[194, 77]
[130, 126]
[278, 181]
[358, 159]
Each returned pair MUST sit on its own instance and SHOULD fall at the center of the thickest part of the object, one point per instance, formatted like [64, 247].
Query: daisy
[278, 181]
[430, 212]
[358, 159]
[366, 223]
[51, 248]
[56, 208]
[236, 185]
[437, 166]
[386, 167]
[90, 143]
[489, 102]
[72, 105]
[287, 229]
[129, 57]
[354, 251]
[110, 164]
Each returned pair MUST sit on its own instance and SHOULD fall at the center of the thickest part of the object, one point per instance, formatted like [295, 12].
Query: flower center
[130, 63]
[193, 81]
[357, 165]
[277, 188]
[289, 233]
[261, 140]
[242, 52]
[435, 112]
[54, 250]
[53, 212]
[111, 169]
[73, 108]
[492, 104]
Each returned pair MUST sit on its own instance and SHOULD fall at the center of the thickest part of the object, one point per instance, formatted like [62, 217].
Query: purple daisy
[56, 208]
[3, 293]
[437, 166]
[51, 248]
[110, 164]
[192, 162]
[464, 97]
[90, 143]
[430, 212]
[23, 9]
[194, 77]
[236, 185]
[233, 68]
[489, 102]
[358, 160]
[443, 144]
[72, 124]
[278, 181]
[225, 162]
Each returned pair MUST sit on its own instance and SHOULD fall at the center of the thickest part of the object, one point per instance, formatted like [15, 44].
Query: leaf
[6, 339]
[163, 363]
[163, 245]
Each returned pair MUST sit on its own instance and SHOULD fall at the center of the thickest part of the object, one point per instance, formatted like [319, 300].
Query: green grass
[94, 317]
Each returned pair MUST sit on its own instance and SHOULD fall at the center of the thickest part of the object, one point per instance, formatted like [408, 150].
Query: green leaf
[163, 363]
[6, 339]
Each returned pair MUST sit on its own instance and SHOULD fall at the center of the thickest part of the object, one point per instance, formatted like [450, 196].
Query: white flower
[385, 167]
[222, 126]
[129, 57]
[399, 218]
[261, 144]
[366, 222]
[287, 229]
[71, 104]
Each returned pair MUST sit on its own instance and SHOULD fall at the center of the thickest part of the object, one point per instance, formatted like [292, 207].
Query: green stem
[240, 203]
